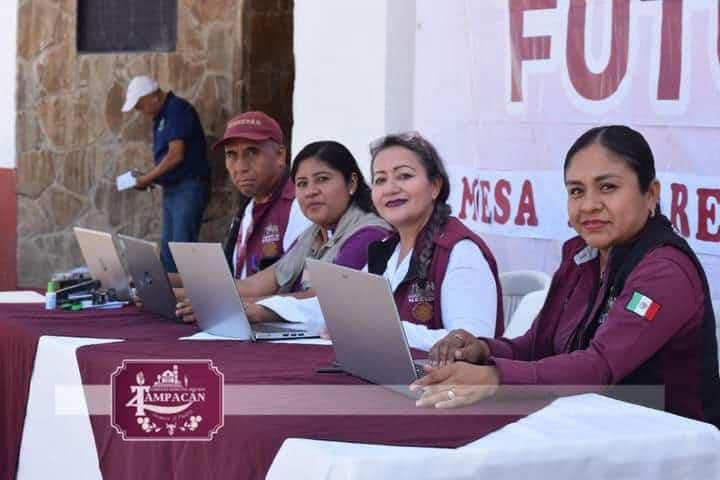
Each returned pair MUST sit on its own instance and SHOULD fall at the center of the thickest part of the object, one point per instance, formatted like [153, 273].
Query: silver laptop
[363, 321]
[210, 286]
[103, 261]
[149, 276]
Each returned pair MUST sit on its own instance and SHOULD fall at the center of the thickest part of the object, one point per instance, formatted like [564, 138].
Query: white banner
[530, 203]
[504, 87]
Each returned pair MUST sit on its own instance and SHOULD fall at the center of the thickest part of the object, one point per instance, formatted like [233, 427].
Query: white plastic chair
[525, 313]
[517, 284]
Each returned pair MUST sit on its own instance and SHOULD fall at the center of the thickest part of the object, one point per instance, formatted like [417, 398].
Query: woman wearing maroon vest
[443, 275]
[628, 305]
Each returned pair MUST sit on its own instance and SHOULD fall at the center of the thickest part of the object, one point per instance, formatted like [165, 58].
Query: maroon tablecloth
[21, 325]
[246, 445]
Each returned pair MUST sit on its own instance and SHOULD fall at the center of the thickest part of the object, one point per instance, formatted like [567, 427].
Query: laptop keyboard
[264, 327]
[419, 370]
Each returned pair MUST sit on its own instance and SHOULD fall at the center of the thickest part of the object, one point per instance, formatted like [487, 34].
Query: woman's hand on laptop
[184, 311]
[458, 345]
[456, 385]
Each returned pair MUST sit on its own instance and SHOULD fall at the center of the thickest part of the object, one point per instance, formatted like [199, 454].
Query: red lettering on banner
[484, 191]
[598, 86]
[670, 51]
[707, 212]
[501, 213]
[525, 48]
[469, 196]
[526, 206]
[477, 195]
[678, 205]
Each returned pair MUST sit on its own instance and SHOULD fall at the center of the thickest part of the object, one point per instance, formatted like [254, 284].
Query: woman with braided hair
[443, 275]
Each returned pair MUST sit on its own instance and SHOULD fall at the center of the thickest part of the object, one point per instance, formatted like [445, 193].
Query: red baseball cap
[254, 126]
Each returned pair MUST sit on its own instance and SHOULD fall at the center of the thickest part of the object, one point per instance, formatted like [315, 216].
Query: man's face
[149, 104]
[254, 167]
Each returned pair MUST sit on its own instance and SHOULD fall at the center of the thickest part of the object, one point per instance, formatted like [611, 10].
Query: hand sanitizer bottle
[50, 297]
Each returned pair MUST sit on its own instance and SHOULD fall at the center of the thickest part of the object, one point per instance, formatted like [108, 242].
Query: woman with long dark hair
[629, 303]
[443, 275]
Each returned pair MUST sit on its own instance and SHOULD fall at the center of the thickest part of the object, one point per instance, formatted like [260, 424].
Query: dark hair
[435, 168]
[628, 144]
[337, 157]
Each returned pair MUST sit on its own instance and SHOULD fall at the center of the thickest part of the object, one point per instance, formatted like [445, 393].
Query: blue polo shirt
[178, 120]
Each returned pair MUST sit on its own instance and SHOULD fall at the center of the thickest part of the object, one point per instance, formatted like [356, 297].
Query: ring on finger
[451, 394]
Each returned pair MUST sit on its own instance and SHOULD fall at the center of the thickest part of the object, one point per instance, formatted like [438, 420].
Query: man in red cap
[270, 221]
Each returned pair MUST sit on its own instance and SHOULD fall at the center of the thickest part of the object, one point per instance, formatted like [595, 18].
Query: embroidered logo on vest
[422, 300]
[271, 241]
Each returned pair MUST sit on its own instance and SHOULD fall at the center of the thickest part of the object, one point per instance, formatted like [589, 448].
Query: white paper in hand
[125, 181]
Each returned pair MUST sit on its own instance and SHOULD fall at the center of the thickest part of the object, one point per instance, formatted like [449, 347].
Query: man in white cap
[181, 165]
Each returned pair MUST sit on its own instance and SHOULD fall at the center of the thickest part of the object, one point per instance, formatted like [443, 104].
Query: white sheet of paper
[21, 296]
[125, 181]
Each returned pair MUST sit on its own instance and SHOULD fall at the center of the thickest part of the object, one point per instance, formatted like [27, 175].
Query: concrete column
[354, 72]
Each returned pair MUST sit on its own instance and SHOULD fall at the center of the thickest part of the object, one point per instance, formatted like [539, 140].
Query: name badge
[271, 241]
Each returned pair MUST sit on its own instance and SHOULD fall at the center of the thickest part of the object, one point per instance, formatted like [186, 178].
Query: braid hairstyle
[439, 217]
[435, 168]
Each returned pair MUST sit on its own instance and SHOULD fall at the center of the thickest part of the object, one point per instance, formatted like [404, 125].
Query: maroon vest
[422, 305]
[269, 223]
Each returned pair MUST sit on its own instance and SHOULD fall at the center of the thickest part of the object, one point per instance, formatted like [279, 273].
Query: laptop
[149, 276]
[103, 261]
[363, 321]
[218, 307]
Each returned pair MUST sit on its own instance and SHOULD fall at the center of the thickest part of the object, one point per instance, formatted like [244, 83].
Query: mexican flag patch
[644, 306]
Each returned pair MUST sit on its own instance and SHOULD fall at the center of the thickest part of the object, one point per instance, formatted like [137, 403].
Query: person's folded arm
[626, 340]
[260, 284]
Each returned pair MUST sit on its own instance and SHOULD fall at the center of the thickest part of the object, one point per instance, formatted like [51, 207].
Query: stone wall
[72, 139]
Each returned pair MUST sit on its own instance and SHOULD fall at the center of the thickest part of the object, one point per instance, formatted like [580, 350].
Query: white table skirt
[53, 443]
[585, 436]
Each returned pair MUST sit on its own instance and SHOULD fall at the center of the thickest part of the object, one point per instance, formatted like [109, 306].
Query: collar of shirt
[395, 272]
[169, 95]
